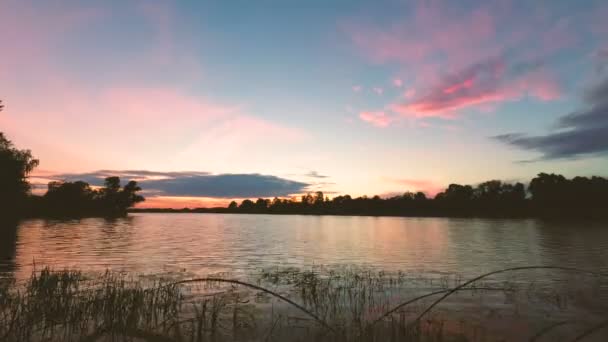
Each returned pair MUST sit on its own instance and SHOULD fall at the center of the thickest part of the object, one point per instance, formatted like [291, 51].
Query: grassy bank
[293, 305]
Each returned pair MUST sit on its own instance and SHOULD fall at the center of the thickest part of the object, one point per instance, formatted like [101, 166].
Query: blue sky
[380, 97]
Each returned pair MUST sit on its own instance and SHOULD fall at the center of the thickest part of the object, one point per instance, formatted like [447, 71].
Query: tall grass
[293, 305]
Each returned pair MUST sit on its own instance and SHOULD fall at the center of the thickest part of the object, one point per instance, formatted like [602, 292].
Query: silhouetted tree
[420, 196]
[308, 200]
[554, 195]
[247, 206]
[129, 196]
[233, 205]
[261, 205]
[15, 167]
[76, 199]
[67, 198]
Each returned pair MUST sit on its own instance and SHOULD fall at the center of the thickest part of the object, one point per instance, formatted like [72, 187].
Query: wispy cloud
[409, 93]
[315, 174]
[378, 119]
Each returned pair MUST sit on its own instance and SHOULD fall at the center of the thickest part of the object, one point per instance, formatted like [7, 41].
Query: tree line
[62, 199]
[547, 195]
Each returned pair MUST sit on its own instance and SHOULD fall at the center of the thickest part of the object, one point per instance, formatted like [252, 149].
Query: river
[200, 244]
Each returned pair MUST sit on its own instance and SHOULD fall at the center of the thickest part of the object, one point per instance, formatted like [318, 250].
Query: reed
[320, 304]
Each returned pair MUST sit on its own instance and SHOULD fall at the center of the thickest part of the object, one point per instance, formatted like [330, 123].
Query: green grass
[344, 304]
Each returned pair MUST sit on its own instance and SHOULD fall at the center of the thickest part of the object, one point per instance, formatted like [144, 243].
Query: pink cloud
[456, 87]
[410, 93]
[481, 84]
[397, 83]
[378, 119]
[541, 85]
[444, 108]
[439, 29]
[378, 90]
[357, 88]
[451, 42]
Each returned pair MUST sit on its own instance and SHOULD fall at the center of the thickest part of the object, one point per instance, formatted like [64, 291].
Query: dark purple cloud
[315, 174]
[582, 133]
[198, 184]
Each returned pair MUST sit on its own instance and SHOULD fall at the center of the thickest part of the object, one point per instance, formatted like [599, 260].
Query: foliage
[15, 166]
[79, 199]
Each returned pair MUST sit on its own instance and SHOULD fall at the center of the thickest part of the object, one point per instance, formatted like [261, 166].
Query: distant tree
[514, 192]
[546, 188]
[318, 198]
[233, 205]
[261, 204]
[79, 199]
[407, 196]
[459, 192]
[247, 205]
[308, 199]
[489, 191]
[555, 195]
[420, 196]
[549, 193]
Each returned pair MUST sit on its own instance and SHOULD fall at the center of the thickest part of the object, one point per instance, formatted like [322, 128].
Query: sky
[207, 101]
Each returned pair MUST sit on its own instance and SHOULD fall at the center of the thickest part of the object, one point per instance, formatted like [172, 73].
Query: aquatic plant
[320, 304]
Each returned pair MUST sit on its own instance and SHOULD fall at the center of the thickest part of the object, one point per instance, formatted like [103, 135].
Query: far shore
[220, 210]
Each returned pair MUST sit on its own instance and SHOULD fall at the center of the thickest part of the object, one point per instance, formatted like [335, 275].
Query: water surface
[209, 243]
